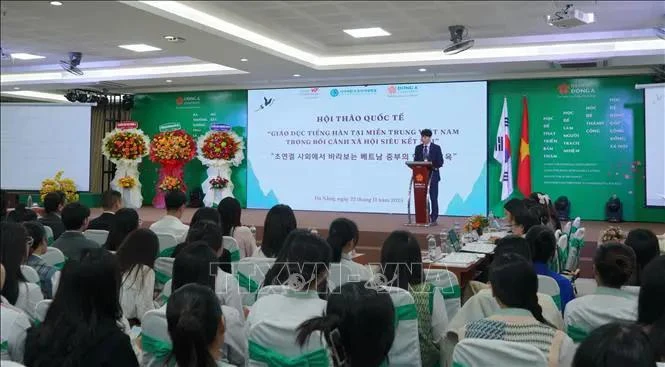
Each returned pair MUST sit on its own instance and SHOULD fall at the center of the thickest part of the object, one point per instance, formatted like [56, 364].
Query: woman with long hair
[136, 257]
[82, 324]
[343, 237]
[126, 221]
[14, 246]
[38, 248]
[651, 305]
[520, 319]
[616, 344]
[230, 211]
[206, 214]
[402, 266]
[280, 221]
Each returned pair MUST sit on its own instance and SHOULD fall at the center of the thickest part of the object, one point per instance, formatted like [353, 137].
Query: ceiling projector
[569, 18]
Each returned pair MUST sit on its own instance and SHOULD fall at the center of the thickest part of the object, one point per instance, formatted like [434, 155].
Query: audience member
[651, 305]
[21, 214]
[230, 211]
[280, 221]
[53, 204]
[520, 319]
[82, 324]
[38, 248]
[14, 324]
[357, 325]
[301, 269]
[124, 222]
[549, 217]
[611, 234]
[615, 345]
[13, 252]
[171, 223]
[513, 207]
[522, 222]
[111, 203]
[343, 237]
[75, 218]
[208, 214]
[401, 261]
[645, 244]
[136, 257]
[543, 248]
[614, 264]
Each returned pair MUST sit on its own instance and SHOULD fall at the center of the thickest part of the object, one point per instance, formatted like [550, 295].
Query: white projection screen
[39, 139]
[654, 120]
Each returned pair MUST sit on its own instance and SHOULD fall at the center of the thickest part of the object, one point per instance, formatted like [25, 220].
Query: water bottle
[445, 242]
[431, 247]
[29, 202]
[253, 230]
[493, 223]
[313, 231]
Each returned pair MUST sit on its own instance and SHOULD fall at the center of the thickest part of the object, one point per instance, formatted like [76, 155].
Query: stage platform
[374, 228]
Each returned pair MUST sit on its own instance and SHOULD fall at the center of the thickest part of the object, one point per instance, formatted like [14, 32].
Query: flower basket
[172, 149]
[219, 150]
[126, 148]
[56, 184]
[476, 223]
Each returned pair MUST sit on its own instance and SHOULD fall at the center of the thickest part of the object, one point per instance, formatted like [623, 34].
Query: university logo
[402, 90]
[577, 88]
[392, 89]
[564, 88]
[179, 101]
[334, 92]
[420, 178]
[314, 90]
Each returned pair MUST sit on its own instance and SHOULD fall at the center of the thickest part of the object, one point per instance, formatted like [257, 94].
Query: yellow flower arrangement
[57, 183]
[127, 182]
[475, 223]
[170, 183]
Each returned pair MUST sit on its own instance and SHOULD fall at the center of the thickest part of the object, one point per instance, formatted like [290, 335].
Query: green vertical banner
[586, 142]
[194, 112]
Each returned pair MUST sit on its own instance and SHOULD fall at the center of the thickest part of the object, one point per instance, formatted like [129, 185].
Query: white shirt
[28, 296]
[228, 290]
[258, 253]
[13, 327]
[245, 240]
[171, 225]
[361, 271]
[136, 292]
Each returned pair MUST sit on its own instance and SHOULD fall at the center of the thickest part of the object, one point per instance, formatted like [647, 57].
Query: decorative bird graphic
[266, 102]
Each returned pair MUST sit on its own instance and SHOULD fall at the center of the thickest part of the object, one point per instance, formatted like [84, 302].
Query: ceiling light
[243, 59]
[37, 95]
[366, 32]
[296, 75]
[169, 80]
[56, 3]
[422, 70]
[25, 56]
[16, 88]
[140, 47]
[174, 39]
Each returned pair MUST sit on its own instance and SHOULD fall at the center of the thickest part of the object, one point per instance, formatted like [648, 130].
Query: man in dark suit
[72, 242]
[430, 152]
[111, 203]
[53, 204]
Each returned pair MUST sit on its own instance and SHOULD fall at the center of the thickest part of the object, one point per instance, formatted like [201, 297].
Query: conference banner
[345, 148]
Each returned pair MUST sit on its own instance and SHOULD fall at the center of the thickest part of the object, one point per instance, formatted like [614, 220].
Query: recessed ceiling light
[30, 94]
[422, 70]
[296, 75]
[169, 80]
[24, 56]
[172, 38]
[243, 59]
[16, 88]
[367, 32]
[140, 47]
[56, 3]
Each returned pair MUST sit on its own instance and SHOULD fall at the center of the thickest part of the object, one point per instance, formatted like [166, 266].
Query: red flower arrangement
[170, 183]
[172, 146]
[218, 182]
[127, 144]
[220, 145]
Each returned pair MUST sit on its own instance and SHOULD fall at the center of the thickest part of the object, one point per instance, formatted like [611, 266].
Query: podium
[420, 179]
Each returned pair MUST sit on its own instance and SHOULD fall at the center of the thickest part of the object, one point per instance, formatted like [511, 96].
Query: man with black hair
[171, 223]
[430, 152]
[72, 242]
[53, 204]
[111, 203]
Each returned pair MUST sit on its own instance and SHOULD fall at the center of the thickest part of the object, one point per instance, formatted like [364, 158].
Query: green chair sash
[158, 348]
[576, 333]
[451, 292]
[167, 252]
[317, 358]
[557, 301]
[4, 346]
[161, 278]
[59, 266]
[235, 256]
[247, 283]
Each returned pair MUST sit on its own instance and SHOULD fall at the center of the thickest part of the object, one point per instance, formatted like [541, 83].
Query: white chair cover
[42, 308]
[405, 350]
[166, 241]
[163, 269]
[484, 352]
[30, 274]
[250, 273]
[229, 243]
[448, 284]
[96, 235]
[54, 257]
[49, 235]
[165, 294]
[549, 286]
[55, 280]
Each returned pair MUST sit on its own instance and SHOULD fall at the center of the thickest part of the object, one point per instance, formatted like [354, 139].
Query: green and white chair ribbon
[316, 358]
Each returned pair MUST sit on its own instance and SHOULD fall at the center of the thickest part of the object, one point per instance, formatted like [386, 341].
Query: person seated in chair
[171, 223]
[53, 204]
[72, 242]
[111, 203]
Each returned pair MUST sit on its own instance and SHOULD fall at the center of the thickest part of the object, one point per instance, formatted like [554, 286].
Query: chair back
[163, 269]
[405, 350]
[155, 340]
[30, 274]
[484, 352]
[549, 286]
[250, 273]
[42, 308]
[229, 243]
[55, 281]
[167, 241]
[54, 257]
[447, 283]
[49, 235]
[96, 235]
[166, 293]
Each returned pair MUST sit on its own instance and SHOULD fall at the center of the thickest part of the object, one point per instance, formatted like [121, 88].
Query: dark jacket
[435, 156]
[53, 220]
[73, 243]
[102, 222]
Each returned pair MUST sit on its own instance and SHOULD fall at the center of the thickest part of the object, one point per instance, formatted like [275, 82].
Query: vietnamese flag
[524, 168]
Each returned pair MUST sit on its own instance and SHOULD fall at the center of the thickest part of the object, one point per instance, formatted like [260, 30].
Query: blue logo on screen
[334, 92]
